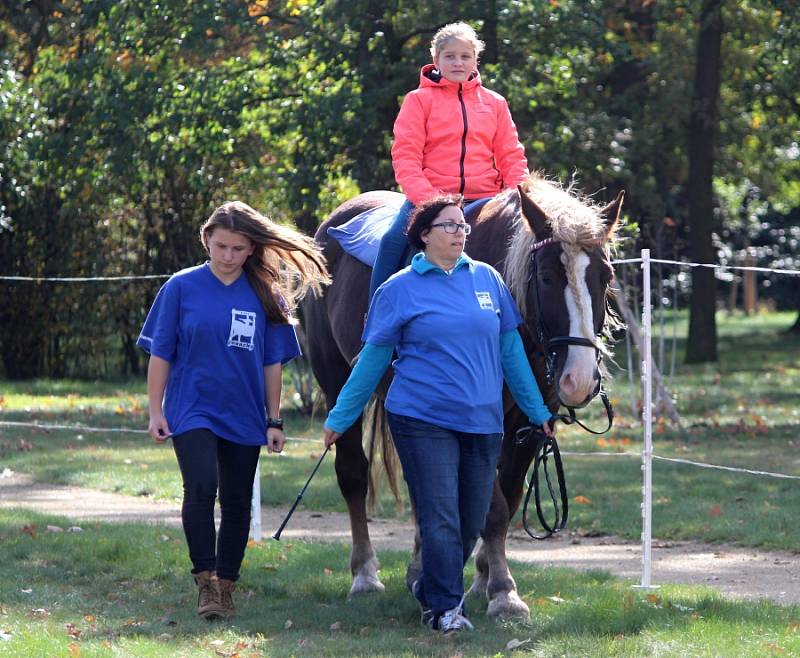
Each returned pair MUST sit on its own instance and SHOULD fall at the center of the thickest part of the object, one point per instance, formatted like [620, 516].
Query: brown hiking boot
[208, 605]
[226, 588]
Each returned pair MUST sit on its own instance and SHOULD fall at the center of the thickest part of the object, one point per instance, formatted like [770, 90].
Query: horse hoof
[508, 605]
[365, 585]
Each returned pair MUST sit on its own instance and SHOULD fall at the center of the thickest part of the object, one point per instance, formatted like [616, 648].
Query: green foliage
[123, 124]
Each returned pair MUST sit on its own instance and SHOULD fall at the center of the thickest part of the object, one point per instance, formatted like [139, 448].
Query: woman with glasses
[453, 324]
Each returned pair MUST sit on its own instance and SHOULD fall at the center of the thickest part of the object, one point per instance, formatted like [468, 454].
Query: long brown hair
[284, 263]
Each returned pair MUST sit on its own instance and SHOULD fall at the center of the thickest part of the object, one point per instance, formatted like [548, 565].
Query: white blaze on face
[578, 378]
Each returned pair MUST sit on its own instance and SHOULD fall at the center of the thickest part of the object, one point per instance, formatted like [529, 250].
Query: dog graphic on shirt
[243, 329]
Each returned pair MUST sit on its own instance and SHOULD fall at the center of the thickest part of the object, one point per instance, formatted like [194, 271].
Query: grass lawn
[742, 412]
[124, 591]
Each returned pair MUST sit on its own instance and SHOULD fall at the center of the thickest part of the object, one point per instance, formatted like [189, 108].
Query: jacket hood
[429, 76]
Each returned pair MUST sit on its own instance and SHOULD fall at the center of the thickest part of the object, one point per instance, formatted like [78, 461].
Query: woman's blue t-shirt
[217, 340]
[446, 329]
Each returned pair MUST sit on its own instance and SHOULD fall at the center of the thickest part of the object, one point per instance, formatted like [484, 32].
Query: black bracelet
[275, 423]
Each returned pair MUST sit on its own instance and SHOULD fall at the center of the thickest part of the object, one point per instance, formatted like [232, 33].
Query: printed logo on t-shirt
[243, 329]
[485, 300]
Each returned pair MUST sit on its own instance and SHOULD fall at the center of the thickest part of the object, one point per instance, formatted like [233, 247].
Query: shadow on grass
[126, 590]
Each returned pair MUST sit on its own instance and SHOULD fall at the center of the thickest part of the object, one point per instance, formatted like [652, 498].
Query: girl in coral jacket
[452, 135]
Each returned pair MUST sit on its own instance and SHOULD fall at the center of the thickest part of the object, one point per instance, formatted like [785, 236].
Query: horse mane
[574, 220]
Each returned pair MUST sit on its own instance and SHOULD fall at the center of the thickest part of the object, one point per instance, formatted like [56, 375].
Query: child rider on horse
[452, 135]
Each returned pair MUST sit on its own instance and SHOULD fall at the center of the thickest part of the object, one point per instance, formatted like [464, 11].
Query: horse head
[559, 271]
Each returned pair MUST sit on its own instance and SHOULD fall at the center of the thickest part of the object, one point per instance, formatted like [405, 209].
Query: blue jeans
[391, 249]
[450, 477]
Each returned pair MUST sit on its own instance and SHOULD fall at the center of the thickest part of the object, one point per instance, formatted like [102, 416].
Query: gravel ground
[735, 571]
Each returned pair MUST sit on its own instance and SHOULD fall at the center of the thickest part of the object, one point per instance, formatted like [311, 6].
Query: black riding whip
[277, 534]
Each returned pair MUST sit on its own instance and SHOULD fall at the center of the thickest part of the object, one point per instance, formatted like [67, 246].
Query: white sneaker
[453, 621]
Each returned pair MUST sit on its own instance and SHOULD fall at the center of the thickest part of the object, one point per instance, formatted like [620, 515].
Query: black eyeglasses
[454, 227]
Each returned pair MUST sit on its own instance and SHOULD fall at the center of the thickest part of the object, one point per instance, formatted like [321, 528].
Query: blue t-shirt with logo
[217, 340]
[446, 329]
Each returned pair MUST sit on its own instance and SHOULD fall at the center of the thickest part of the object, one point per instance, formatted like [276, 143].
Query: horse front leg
[352, 476]
[493, 577]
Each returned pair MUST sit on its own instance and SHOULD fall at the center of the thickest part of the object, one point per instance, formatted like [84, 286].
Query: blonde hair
[284, 263]
[460, 31]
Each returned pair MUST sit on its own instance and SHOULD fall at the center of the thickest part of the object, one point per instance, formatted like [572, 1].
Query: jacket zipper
[463, 140]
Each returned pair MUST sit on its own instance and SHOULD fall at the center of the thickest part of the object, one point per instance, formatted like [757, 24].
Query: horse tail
[380, 449]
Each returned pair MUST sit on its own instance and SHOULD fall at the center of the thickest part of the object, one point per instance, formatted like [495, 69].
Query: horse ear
[536, 217]
[611, 212]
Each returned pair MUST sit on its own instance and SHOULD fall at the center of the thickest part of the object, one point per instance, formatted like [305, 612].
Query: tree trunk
[489, 32]
[702, 343]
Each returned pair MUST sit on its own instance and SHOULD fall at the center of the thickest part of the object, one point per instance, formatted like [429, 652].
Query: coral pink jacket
[455, 138]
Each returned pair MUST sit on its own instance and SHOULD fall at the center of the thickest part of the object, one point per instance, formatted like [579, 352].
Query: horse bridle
[547, 446]
[548, 345]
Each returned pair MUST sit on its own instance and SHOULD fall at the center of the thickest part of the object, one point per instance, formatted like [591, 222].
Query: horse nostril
[567, 384]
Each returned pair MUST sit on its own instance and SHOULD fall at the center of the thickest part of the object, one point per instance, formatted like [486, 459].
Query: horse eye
[546, 277]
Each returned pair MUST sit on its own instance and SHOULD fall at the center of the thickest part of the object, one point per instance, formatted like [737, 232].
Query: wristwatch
[276, 423]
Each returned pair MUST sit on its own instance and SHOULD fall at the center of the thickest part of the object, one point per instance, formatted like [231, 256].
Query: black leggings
[207, 461]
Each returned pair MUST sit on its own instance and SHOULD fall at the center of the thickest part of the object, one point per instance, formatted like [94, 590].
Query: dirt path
[738, 572]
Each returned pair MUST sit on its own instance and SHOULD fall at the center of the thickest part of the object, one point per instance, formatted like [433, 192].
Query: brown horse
[552, 248]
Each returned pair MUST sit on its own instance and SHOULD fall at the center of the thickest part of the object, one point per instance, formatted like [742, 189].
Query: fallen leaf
[74, 650]
[581, 500]
[54, 528]
[774, 648]
[30, 529]
[289, 623]
[4, 636]
[327, 571]
[515, 643]
[336, 626]
[715, 511]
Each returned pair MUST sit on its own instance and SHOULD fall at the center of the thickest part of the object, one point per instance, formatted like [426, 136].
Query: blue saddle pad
[361, 235]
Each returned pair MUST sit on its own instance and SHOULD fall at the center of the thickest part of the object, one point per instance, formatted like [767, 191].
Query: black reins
[546, 447]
